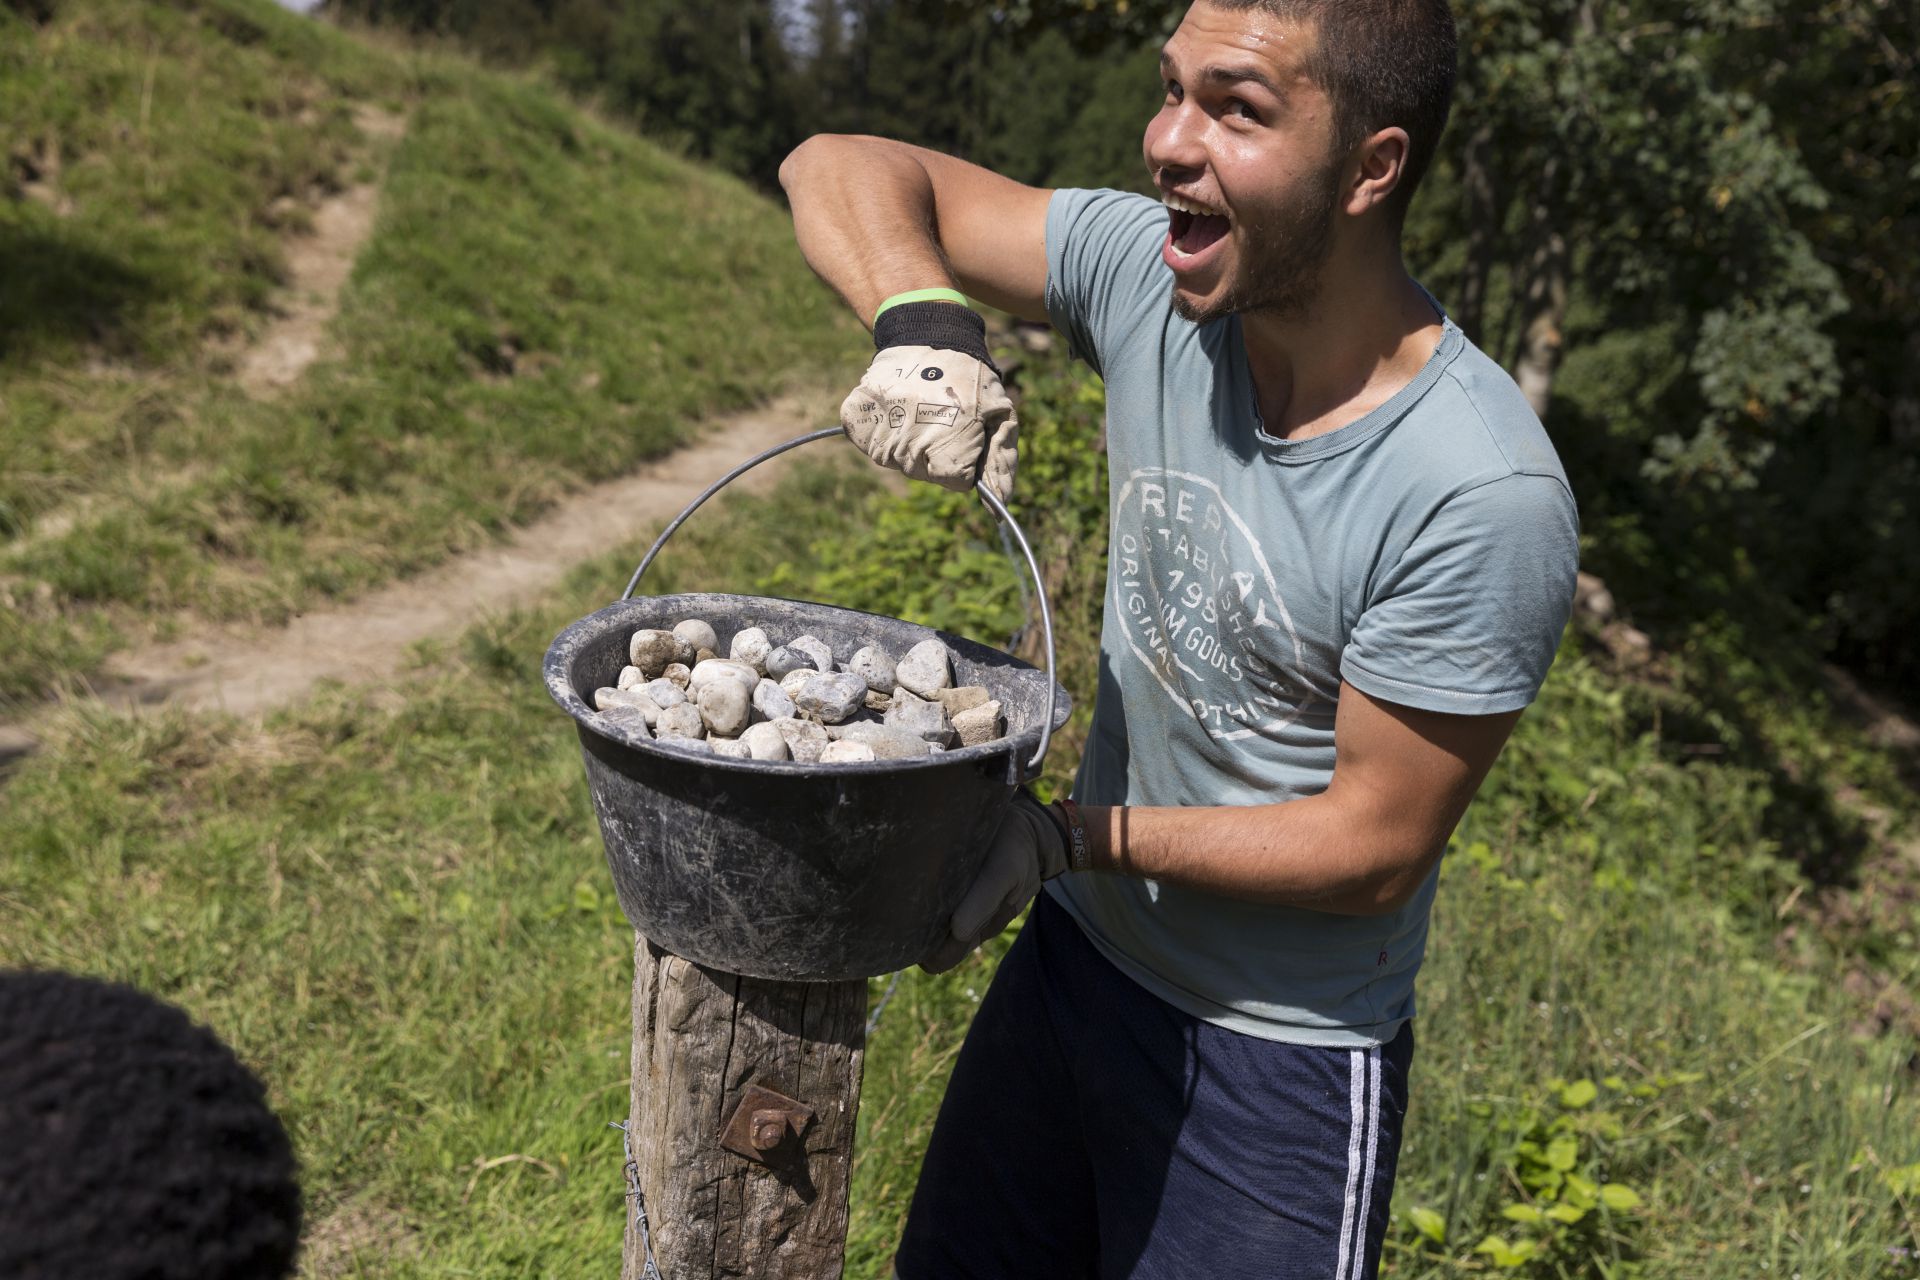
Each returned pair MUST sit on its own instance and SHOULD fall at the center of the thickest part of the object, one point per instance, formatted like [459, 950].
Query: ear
[1375, 169]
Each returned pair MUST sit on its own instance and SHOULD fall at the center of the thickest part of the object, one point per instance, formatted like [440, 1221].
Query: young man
[1342, 552]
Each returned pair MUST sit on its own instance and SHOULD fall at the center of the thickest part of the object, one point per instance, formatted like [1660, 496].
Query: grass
[545, 300]
[401, 917]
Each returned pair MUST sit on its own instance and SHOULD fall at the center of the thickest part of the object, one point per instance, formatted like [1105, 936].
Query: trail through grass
[546, 300]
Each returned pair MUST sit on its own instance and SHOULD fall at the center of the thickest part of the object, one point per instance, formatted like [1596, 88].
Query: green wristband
[922, 295]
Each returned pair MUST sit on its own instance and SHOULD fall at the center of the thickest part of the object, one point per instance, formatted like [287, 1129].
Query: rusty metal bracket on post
[766, 1126]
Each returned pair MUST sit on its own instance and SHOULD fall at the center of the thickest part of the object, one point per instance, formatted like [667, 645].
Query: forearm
[1322, 852]
[863, 213]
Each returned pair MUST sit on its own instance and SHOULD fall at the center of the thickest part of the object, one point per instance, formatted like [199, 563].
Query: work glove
[1030, 846]
[931, 404]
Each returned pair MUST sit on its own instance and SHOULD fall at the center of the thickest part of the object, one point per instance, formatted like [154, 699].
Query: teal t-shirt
[1424, 553]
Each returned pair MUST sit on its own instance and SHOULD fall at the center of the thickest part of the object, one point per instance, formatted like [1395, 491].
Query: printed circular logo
[932, 373]
[1198, 602]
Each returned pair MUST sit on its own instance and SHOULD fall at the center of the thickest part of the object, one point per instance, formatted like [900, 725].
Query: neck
[1367, 336]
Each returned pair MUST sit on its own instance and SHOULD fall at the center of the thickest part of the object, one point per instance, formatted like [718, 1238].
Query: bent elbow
[797, 159]
[1394, 888]
[818, 150]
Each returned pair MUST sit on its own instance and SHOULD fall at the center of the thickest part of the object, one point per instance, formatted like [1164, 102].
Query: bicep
[1412, 771]
[993, 231]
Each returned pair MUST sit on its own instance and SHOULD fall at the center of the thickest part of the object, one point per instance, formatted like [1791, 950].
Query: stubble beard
[1285, 254]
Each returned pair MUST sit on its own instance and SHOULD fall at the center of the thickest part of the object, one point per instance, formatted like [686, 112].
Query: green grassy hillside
[1659, 1026]
[544, 300]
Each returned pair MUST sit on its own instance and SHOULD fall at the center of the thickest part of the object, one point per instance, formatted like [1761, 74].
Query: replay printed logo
[1198, 601]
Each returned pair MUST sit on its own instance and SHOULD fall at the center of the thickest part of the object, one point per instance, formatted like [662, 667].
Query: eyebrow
[1219, 75]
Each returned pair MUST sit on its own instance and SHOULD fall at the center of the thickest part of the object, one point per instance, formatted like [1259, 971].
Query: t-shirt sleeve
[1468, 619]
[1104, 271]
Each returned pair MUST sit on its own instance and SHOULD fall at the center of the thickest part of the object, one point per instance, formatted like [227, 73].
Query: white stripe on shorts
[1373, 1148]
[1363, 1103]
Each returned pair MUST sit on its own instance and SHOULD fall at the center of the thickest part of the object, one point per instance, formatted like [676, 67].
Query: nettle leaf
[1505, 1254]
[1522, 1213]
[1579, 1094]
[1904, 1180]
[1563, 1152]
[1566, 1213]
[1619, 1197]
[1581, 1193]
[1428, 1223]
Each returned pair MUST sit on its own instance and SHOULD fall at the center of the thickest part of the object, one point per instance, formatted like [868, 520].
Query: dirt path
[250, 670]
[318, 265]
[246, 670]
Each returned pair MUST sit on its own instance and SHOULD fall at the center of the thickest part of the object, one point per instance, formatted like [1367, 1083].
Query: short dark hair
[1383, 63]
[134, 1145]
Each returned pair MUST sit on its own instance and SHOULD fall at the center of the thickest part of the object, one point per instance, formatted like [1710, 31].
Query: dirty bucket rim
[560, 689]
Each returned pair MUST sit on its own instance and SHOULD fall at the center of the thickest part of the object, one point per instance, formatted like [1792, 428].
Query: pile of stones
[793, 701]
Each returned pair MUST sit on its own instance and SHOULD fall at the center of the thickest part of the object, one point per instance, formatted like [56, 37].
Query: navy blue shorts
[1093, 1130]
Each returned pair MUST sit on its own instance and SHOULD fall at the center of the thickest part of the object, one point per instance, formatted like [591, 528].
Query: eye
[1240, 107]
[1173, 91]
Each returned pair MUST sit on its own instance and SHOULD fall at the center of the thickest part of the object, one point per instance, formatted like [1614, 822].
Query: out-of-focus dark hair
[134, 1145]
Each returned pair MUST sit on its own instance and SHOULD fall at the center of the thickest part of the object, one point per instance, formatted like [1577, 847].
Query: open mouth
[1192, 227]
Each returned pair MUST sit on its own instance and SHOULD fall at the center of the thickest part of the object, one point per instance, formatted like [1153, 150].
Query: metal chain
[873, 1019]
[650, 1270]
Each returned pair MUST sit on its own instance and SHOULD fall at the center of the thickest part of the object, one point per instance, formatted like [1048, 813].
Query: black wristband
[1054, 817]
[946, 326]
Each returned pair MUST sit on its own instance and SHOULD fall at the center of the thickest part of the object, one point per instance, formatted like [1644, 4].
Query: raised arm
[876, 218]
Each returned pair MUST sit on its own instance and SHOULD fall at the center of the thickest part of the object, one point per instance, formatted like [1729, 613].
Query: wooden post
[701, 1039]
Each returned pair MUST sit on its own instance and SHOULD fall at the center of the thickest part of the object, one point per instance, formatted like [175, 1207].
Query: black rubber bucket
[783, 870]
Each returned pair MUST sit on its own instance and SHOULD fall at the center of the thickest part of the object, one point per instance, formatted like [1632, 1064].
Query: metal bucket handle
[993, 504]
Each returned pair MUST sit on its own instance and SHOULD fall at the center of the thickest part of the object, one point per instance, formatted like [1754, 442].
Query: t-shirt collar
[1360, 429]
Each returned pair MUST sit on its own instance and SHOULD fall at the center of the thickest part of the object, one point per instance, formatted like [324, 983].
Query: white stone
[770, 702]
[924, 670]
[751, 646]
[732, 748]
[764, 741]
[629, 718]
[664, 692]
[818, 651]
[785, 660]
[694, 746]
[722, 669]
[874, 665]
[631, 676]
[805, 740]
[847, 753]
[886, 742]
[683, 721]
[965, 698]
[695, 635]
[831, 697]
[678, 672]
[790, 683]
[724, 706]
[608, 699]
[925, 720]
[653, 651]
[978, 724]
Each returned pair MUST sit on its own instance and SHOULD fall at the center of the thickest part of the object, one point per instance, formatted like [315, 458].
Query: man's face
[1242, 151]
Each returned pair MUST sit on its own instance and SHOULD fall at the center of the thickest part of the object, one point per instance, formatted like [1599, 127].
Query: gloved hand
[1030, 847]
[931, 404]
